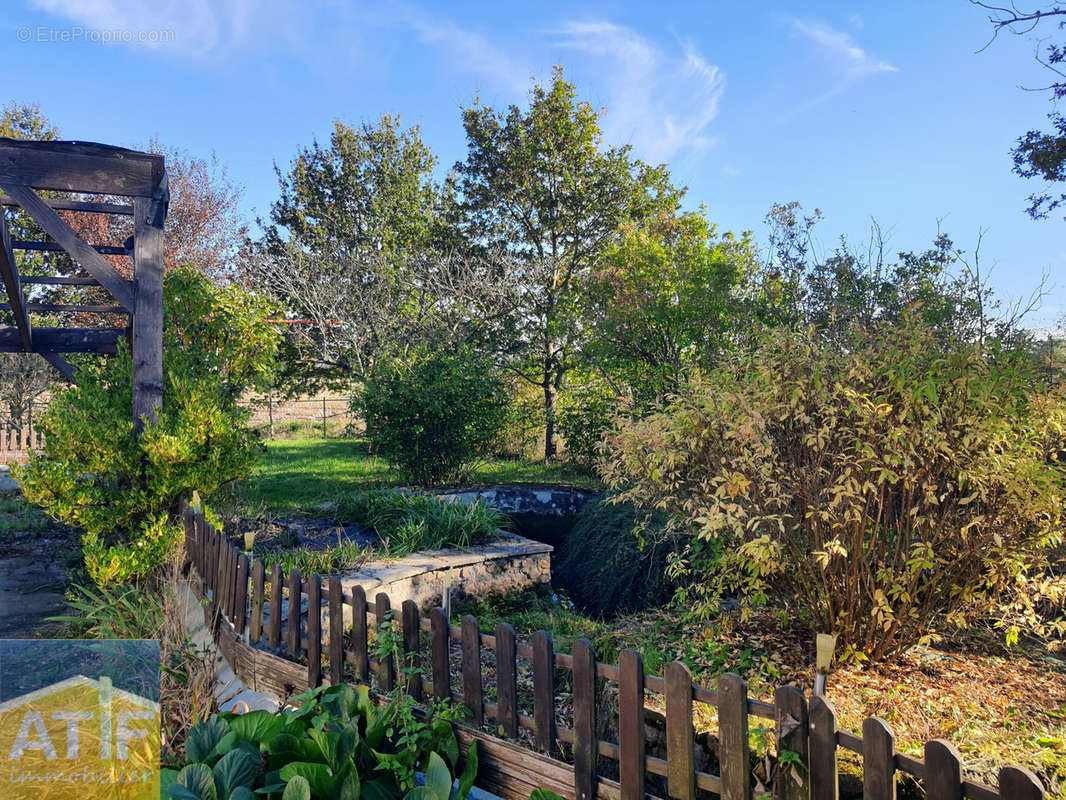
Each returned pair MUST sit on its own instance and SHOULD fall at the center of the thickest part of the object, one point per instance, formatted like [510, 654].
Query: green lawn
[297, 475]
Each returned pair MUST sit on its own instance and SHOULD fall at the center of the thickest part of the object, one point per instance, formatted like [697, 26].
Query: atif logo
[81, 739]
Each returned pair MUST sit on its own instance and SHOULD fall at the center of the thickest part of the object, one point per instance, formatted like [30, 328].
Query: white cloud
[659, 101]
[841, 48]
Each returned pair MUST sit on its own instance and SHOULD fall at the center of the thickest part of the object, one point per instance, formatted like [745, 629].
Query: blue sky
[864, 110]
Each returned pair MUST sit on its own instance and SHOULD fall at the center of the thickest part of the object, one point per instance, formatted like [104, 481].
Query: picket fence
[282, 653]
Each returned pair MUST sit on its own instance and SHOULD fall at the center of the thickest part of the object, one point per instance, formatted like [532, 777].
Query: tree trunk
[549, 414]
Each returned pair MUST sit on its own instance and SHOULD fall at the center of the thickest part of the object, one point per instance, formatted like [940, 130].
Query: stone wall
[506, 565]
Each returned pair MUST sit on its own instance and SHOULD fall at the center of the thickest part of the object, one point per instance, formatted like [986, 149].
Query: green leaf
[328, 744]
[543, 794]
[167, 778]
[297, 789]
[203, 737]
[380, 790]
[438, 777]
[195, 781]
[420, 793]
[256, 726]
[348, 787]
[242, 793]
[237, 768]
[318, 775]
[466, 780]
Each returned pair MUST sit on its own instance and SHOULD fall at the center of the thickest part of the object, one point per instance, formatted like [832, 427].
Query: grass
[18, 514]
[299, 476]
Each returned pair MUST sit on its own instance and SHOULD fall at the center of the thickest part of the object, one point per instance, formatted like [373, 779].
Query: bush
[433, 413]
[888, 485]
[615, 559]
[585, 414]
[121, 489]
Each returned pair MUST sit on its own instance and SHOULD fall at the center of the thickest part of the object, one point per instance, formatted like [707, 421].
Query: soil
[33, 578]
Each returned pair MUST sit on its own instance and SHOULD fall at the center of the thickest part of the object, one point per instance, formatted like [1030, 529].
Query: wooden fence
[16, 441]
[265, 646]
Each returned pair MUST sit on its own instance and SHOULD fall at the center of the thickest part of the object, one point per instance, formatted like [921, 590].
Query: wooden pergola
[84, 168]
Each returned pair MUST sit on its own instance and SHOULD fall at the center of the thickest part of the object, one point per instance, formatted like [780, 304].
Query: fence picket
[294, 613]
[314, 631]
[544, 691]
[1018, 783]
[473, 696]
[411, 643]
[387, 663]
[733, 755]
[360, 647]
[336, 631]
[631, 741]
[240, 610]
[276, 589]
[255, 628]
[507, 680]
[586, 744]
[442, 674]
[943, 771]
[791, 782]
[825, 784]
[878, 763]
[681, 767]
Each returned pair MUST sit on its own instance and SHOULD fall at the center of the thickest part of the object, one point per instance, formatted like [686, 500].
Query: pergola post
[148, 313]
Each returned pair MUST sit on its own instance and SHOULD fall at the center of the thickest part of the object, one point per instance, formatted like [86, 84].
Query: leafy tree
[432, 413]
[353, 217]
[1039, 154]
[122, 490]
[889, 485]
[539, 187]
[663, 300]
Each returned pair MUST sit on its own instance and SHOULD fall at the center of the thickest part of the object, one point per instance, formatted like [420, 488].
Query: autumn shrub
[433, 413]
[121, 489]
[890, 484]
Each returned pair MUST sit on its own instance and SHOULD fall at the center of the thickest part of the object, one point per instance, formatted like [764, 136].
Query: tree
[1039, 154]
[354, 221]
[539, 186]
[662, 300]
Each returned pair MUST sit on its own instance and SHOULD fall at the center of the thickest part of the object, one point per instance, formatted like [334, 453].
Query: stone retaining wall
[506, 565]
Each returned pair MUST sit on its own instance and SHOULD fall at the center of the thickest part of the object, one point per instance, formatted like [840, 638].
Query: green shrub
[409, 522]
[888, 484]
[615, 559]
[584, 416]
[433, 413]
[121, 489]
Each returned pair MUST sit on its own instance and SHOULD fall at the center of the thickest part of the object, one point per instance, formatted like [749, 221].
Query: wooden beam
[62, 308]
[57, 280]
[79, 167]
[64, 367]
[10, 277]
[77, 205]
[148, 314]
[63, 340]
[52, 247]
[90, 260]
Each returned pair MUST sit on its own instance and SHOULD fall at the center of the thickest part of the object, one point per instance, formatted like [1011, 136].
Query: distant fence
[16, 441]
[265, 645]
[316, 416]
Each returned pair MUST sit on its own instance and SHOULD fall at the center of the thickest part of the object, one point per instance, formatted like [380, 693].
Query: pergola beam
[79, 167]
[77, 205]
[64, 340]
[91, 261]
[10, 277]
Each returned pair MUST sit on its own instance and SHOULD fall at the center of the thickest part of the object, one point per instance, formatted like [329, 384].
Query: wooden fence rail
[17, 440]
[250, 610]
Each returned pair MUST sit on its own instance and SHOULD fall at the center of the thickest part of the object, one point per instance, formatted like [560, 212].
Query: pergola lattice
[85, 168]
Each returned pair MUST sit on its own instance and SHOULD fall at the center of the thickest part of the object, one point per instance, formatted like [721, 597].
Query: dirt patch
[34, 556]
